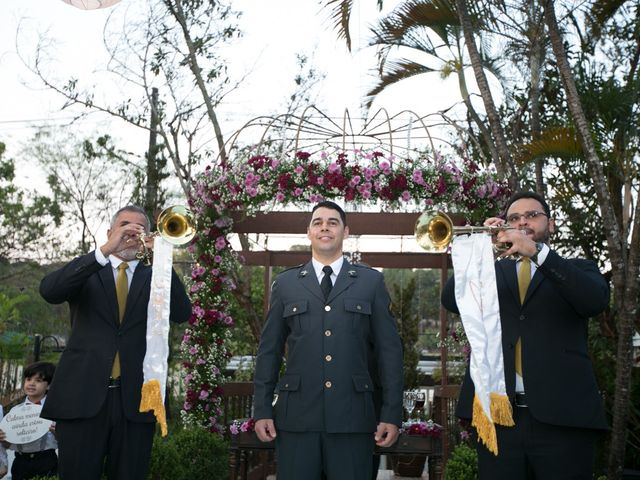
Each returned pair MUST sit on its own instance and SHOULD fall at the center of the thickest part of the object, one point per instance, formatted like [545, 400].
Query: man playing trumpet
[545, 302]
[96, 390]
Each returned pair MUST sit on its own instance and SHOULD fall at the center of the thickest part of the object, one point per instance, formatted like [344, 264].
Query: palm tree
[624, 258]
[431, 28]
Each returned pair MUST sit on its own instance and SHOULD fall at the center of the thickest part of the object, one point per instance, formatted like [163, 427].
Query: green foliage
[402, 298]
[14, 345]
[462, 464]
[20, 279]
[189, 454]
[9, 311]
[35, 215]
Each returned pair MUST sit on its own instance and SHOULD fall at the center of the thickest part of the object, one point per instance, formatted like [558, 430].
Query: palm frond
[340, 11]
[601, 12]
[395, 72]
[559, 142]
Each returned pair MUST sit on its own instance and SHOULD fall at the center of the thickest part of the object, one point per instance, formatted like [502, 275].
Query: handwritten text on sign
[23, 424]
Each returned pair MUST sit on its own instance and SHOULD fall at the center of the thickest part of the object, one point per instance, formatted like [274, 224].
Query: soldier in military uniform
[336, 325]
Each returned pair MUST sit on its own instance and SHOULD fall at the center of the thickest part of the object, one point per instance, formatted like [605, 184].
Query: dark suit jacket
[332, 341]
[79, 386]
[559, 381]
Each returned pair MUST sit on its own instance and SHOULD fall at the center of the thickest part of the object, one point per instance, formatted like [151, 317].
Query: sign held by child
[23, 424]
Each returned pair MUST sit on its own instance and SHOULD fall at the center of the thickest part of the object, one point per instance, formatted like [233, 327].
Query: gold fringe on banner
[484, 426]
[152, 400]
[501, 411]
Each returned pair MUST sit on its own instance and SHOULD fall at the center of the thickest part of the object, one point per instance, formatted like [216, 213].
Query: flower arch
[262, 182]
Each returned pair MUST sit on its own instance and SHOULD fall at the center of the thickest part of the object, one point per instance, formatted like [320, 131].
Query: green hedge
[192, 454]
[462, 464]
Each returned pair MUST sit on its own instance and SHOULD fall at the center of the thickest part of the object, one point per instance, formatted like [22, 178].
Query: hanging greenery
[262, 183]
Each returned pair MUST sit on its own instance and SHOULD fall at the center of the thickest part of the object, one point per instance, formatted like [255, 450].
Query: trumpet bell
[176, 225]
[434, 231]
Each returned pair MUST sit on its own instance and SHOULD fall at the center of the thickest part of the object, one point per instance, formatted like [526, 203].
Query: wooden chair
[445, 399]
[244, 463]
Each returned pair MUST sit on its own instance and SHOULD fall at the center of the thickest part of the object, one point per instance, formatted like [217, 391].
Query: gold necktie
[524, 279]
[122, 289]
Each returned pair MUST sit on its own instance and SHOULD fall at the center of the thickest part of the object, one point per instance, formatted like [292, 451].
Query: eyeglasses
[515, 217]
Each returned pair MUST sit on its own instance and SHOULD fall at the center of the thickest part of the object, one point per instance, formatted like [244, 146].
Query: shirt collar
[29, 402]
[335, 266]
[115, 263]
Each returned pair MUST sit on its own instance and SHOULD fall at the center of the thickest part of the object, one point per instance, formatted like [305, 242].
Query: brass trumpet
[435, 230]
[175, 224]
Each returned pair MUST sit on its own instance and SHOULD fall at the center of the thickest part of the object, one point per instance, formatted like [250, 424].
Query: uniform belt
[114, 382]
[520, 400]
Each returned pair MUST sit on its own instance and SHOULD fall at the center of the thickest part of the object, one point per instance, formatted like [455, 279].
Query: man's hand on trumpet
[516, 241]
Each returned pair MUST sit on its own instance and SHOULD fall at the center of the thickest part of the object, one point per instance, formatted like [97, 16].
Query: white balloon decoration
[91, 4]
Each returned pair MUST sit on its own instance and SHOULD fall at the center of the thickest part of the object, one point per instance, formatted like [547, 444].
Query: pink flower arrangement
[423, 429]
[240, 426]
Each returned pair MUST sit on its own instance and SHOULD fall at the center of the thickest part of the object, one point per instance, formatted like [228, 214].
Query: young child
[37, 458]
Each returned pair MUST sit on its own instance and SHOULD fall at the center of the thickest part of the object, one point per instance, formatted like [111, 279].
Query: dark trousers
[38, 464]
[107, 443]
[319, 455]
[532, 450]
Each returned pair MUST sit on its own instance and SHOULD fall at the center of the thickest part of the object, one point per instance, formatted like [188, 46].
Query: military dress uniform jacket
[327, 385]
[559, 381]
[79, 386]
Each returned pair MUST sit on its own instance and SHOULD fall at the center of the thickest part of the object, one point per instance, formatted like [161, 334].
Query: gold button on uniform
[327, 384]
[327, 308]
[359, 307]
[327, 333]
[328, 358]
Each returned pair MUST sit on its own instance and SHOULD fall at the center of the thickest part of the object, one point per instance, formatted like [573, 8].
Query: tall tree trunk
[176, 9]
[505, 166]
[624, 260]
[536, 60]
[153, 180]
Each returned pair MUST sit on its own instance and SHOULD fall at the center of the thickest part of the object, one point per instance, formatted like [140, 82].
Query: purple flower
[221, 243]
[197, 271]
[203, 394]
[233, 428]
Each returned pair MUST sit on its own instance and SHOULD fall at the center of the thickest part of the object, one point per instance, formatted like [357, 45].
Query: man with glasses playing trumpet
[544, 302]
[96, 391]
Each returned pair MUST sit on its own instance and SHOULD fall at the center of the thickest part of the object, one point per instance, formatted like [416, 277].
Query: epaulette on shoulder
[362, 265]
[292, 268]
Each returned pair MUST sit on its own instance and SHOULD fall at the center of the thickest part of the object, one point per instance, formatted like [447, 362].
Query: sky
[274, 32]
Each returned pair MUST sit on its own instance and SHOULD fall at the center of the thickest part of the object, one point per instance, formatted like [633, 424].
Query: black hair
[528, 194]
[134, 209]
[44, 370]
[332, 206]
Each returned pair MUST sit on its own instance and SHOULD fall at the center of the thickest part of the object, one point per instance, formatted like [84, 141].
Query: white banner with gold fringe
[154, 366]
[477, 299]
